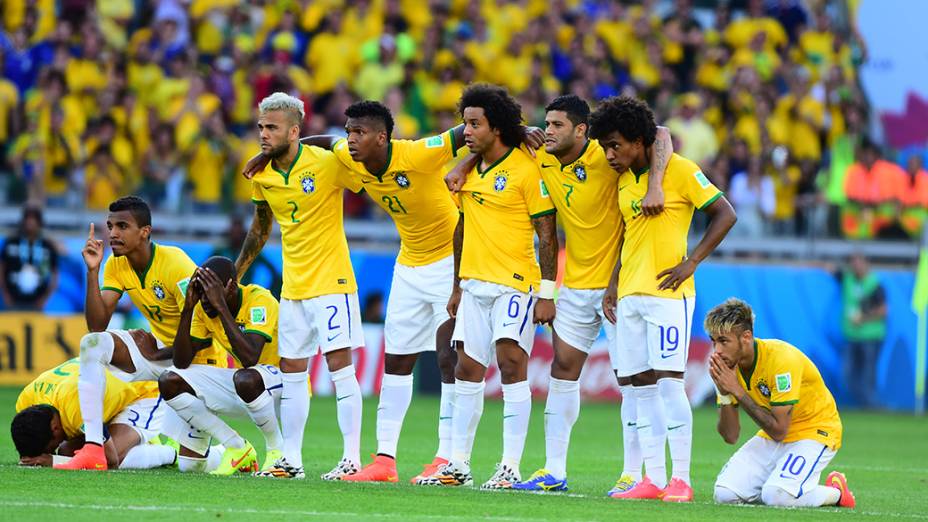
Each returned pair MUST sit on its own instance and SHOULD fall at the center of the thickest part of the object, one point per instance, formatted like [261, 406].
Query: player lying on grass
[241, 320]
[48, 421]
[783, 392]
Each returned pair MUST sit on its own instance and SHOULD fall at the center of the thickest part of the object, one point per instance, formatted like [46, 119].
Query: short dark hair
[222, 266]
[32, 211]
[502, 111]
[374, 110]
[630, 117]
[136, 206]
[578, 111]
[31, 430]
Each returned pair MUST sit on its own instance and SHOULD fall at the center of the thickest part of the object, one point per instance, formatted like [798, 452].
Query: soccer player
[783, 392]
[404, 178]
[584, 190]
[499, 290]
[242, 320]
[48, 421]
[156, 277]
[653, 283]
[301, 188]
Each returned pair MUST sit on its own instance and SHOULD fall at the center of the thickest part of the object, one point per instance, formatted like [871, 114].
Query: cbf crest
[580, 172]
[157, 288]
[763, 388]
[308, 183]
[499, 182]
[402, 180]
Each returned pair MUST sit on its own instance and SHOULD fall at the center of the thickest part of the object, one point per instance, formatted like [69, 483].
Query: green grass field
[884, 456]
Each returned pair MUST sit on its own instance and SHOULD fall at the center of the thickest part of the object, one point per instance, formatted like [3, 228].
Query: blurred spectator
[753, 196]
[372, 311]
[103, 179]
[29, 265]
[379, 75]
[873, 187]
[209, 158]
[697, 140]
[163, 179]
[914, 197]
[864, 326]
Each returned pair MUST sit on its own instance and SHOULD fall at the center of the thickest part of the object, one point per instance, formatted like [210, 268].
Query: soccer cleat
[281, 469]
[270, 460]
[237, 459]
[677, 491]
[429, 470]
[542, 480]
[837, 480]
[383, 469]
[90, 457]
[341, 470]
[642, 490]
[449, 475]
[504, 478]
[625, 483]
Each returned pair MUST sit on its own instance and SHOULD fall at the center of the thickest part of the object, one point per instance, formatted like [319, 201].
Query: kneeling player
[780, 388]
[48, 421]
[243, 321]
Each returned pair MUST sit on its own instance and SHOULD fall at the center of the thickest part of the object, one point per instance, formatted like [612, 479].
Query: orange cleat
[644, 490]
[383, 469]
[91, 457]
[429, 470]
[678, 491]
[837, 480]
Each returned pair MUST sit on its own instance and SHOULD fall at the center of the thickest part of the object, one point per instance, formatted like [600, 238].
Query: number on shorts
[670, 338]
[513, 302]
[794, 465]
[271, 369]
[135, 416]
[334, 312]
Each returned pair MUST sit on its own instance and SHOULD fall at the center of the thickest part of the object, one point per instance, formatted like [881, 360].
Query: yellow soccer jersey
[783, 375]
[307, 204]
[58, 387]
[257, 314]
[654, 244]
[158, 292]
[411, 189]
[498, 205]
[585, 193]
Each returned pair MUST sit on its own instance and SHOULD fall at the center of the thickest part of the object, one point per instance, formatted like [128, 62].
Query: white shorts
[794, 467]
[145, 370]
[652, 333]
[186, 435]
[417, 306]
[216, 386]
[580, 317]
[489, 312]
[325, 323]
[145, 416]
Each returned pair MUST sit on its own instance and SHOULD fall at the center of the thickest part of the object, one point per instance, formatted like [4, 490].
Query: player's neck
[141, 256]
[380, 161]
[748, 358]
[574, 153]
[283, 162]
[493, 154]
[236, 303]
[641, 164]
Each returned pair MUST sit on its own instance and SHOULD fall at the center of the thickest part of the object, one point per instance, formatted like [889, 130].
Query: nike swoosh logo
[192, 436]
[130, 289]
[236, 463]
[550, 413]
[667, 356]
[444, 418]
[340, 398]
[508, 416]
[623, 186]
[334, 337]
[631, 424]
[545, 165]
[644, 427]
[510, 324]
[669, 428]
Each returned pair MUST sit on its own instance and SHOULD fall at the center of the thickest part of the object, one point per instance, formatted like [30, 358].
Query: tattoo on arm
[257, 237]
[546, 230]
[764, 418]
[660, 156]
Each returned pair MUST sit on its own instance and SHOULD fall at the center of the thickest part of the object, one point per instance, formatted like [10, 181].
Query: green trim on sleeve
[784, 403]
[197, 339]
[112, 289]
[454, 145]
[712, 200]
[543, 213]
[267, 337]
[258, 201]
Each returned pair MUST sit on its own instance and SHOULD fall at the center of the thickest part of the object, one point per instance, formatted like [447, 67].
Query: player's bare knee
[511, 369]
[776, 496]
[645, 378]
[623, 381]
[400, 364]
[723, 495]
[566, 368]
[447, 359]
[248, 384]
[338, 359]
[171, 385]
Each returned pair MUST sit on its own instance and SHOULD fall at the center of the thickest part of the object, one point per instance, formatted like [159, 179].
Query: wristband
[725, 400]
[546, 289]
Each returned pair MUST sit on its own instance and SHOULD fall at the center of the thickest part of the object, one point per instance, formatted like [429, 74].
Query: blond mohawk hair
[727, 317]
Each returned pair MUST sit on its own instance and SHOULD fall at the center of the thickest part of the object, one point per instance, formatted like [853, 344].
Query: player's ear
[146, 232]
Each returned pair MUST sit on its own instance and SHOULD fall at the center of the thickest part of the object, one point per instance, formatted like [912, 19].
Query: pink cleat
[644, 490]
[837, 480]
[678, 491]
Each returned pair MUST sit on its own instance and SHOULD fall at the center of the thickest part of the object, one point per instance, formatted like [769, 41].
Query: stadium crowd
[107, 98]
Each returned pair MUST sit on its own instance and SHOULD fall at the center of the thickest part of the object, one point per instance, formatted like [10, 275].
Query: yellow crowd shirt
[585, 193]
[58, 388]
[411, 189]
[306, 200]
[499, 203]
[256, 315]
[158, 292]
[782, 375]
[654, 244]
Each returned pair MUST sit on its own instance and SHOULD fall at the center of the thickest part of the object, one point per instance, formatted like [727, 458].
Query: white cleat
[344, 468]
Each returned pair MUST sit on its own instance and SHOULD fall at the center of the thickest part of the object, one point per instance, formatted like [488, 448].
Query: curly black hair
[501, 110]
[374, 110]
[630, 117]
[578, 111]
[136, 206]
[31, 430]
